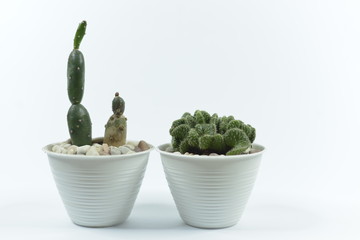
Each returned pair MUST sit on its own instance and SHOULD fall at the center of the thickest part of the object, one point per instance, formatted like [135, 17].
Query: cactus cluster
[202, 133]
[79, 123]
[78, 118]
[115, 128]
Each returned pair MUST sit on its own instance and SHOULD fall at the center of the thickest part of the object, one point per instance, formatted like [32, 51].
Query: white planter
[210, 191]
[98, 191]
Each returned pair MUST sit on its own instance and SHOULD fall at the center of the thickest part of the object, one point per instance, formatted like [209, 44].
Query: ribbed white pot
[210, 191]
[98, 191]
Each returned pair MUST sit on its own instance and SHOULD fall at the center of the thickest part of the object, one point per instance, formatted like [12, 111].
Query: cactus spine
[115, 128]
[79, 123]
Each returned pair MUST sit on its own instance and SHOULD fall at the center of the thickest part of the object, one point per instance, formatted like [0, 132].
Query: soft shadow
[154, 216]
[276, 217]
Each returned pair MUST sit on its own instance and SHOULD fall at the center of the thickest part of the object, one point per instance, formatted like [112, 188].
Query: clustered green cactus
[78, 118]
[202, 133]
[115, 129]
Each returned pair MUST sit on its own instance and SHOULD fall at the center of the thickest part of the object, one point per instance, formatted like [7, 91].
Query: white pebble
[124, 150]
[72, 149]
[65, 145]
[83, 149]
[106, 149]
[55, 148]
[213, 154]
[169, 149]
[177, 153]
[114, 150]
[97, 145]
[92, 151]
[129, 146]
[58, 149]
[130, 152]
[134, 143]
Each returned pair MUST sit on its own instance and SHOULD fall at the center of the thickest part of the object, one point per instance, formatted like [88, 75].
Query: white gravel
[100, 149]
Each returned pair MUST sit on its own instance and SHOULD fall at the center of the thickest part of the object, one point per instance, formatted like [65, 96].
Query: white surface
[289, 68]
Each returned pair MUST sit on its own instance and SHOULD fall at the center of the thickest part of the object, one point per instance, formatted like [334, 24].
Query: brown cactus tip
[116, 94]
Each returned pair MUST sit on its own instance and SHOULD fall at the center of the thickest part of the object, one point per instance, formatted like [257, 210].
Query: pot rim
[47, 150]
[207, 157]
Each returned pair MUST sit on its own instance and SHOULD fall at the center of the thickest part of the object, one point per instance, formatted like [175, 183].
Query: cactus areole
[79, 123]
[202, 133]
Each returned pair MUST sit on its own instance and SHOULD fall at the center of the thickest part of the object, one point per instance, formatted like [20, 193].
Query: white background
[289, 68]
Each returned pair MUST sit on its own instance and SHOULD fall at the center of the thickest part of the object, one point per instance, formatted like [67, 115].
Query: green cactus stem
[115, 128]
[76, 68]
[79, 124]
[78, 118]
[75, 76]
[79, 35]
[202, 133]
[118, 105]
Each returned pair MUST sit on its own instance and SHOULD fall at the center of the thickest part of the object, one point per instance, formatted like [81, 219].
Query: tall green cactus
[115, 128]
[202, 133]
[79, 123]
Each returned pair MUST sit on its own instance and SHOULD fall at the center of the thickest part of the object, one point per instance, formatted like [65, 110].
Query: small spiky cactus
[78, 118]
[202, 133]
[115, 128]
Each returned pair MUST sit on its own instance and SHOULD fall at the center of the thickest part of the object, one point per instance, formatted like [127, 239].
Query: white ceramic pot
[98, 191]
[210, 191]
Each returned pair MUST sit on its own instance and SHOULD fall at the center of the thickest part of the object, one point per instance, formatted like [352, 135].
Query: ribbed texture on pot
[98, 191]
[210, 191]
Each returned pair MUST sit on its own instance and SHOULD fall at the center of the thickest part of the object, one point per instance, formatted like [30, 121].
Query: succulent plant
[115, 128]
[202, 133]
[79, 123]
